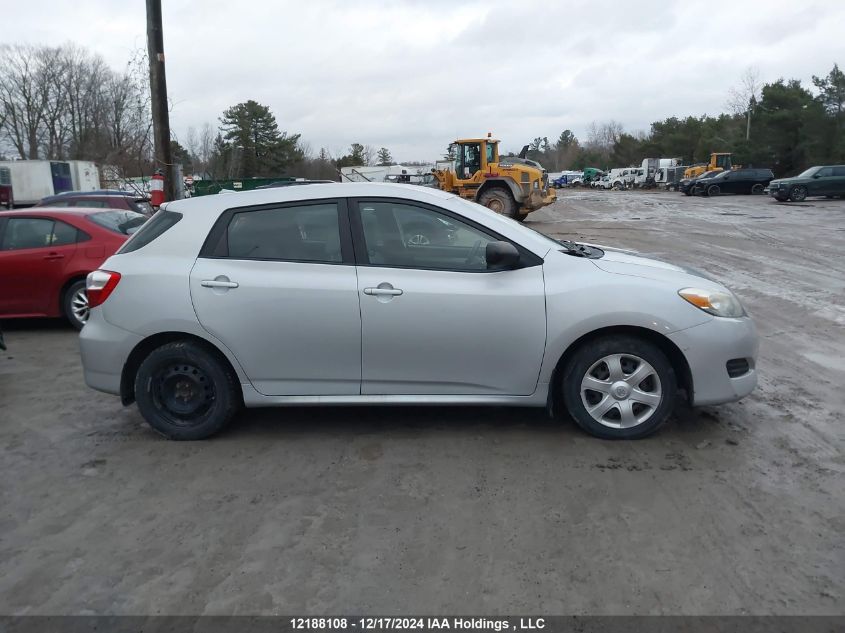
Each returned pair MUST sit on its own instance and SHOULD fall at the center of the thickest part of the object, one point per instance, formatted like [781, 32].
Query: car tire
[186, 391]
[607, 413]
[713, 190]
[688, 192]
[798, 193]
[75, 304]
[499, 200]
[757, 189]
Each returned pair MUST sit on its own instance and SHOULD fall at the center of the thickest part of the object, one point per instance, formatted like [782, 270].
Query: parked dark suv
[828, 180]
[686, 185]
[746, 180]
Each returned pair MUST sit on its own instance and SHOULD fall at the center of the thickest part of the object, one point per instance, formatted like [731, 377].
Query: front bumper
[538, 198]
[708, 348]
[104, 348]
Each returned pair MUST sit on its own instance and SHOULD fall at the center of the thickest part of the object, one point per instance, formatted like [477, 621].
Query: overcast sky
[413, 75]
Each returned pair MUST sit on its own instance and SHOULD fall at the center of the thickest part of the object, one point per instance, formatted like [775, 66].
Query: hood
[623, 262]
[792, 181]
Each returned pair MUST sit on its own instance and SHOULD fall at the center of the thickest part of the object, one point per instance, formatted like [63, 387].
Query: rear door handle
[383, 292]
[53, 256]
[218, 283]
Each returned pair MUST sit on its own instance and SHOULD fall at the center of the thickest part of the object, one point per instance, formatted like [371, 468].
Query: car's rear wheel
[798, 193]
[186, 391]
[713, 190]
[619, 387]
[75, 304]
[757, 189]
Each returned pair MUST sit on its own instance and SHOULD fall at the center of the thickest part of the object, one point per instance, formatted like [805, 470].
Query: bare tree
[743, 97]
[601, 137]
[192, 142]
[23, 97]
[206, 146]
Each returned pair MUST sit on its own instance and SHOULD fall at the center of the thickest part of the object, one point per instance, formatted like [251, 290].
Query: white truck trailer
[33, 180]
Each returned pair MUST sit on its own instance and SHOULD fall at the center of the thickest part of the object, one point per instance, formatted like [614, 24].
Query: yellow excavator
[719, 161]
[511, 185]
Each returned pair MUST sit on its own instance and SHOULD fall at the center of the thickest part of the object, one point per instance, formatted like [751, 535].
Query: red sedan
[46, 253]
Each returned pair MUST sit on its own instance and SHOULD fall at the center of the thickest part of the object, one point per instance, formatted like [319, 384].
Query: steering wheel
[474, 252]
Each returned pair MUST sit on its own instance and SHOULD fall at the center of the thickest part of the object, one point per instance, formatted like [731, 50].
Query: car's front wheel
[619, 387]
[798, 193]
[757, 189]
[713, 190]
[185, 391]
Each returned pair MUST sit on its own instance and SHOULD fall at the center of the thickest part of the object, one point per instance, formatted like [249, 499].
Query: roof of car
[314, 191]
[99, 193]
[57, 211]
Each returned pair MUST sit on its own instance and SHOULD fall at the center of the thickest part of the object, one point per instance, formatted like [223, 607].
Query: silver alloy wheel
[621, 391]
[79, 305]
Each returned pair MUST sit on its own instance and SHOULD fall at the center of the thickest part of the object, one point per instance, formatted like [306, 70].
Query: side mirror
[816, 176]
[501, 255]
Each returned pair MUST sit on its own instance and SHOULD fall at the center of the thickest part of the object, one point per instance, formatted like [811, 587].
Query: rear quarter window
[154, 228]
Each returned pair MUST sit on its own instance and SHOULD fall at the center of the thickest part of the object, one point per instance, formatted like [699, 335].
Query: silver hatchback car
[368, 294]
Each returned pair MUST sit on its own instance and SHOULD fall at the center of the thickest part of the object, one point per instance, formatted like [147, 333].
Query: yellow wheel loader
[512, 185]
[718, 162]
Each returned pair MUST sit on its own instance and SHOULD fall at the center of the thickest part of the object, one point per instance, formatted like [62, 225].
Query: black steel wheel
[186, 391]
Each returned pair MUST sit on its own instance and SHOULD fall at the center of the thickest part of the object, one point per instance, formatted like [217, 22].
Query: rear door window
[306, 233]
[64, 234]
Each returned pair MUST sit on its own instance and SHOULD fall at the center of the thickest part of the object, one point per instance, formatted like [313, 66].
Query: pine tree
[384, 157]
[251, 129]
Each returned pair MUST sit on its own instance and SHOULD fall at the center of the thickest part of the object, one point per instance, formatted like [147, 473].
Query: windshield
[118, 221]
[712, 174]
[808, 172]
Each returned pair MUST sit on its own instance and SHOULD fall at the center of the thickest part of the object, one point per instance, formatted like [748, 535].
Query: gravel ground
[727, 510]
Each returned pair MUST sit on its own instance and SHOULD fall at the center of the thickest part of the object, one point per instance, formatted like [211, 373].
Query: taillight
[100, 285]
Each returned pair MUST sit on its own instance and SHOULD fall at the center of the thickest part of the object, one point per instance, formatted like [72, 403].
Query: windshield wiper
[578, 250]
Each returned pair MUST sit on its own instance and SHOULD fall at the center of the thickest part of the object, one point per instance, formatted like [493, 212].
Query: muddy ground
[727, 510]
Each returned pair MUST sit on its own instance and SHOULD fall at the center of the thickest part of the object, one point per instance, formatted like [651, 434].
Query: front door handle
[383, 290]
[218, 283]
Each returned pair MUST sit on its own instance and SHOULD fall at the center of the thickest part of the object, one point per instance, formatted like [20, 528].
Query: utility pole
[158, 94]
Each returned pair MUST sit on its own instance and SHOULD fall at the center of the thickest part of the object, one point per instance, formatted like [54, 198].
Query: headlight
[722, 304]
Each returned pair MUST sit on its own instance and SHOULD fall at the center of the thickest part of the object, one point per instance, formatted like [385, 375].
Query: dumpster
[209, 187]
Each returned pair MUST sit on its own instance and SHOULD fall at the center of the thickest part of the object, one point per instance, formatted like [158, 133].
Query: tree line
[782, 125]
